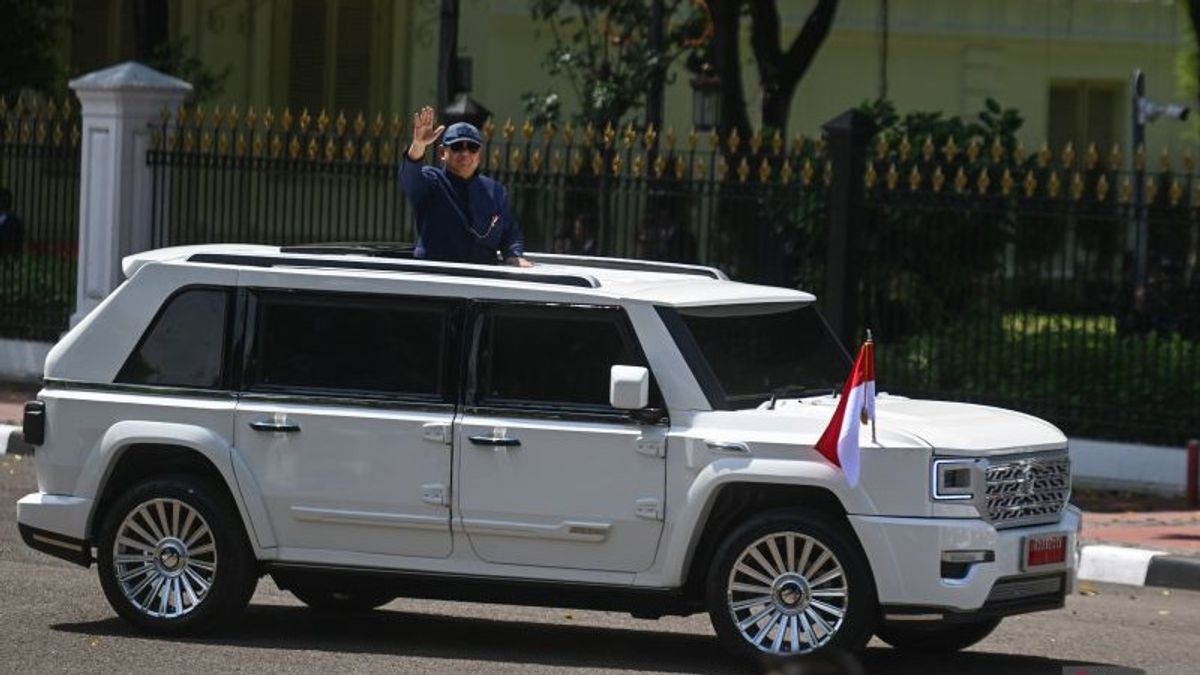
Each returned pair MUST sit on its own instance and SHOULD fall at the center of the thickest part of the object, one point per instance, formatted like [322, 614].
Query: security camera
[1176, 111]
[1149, 110]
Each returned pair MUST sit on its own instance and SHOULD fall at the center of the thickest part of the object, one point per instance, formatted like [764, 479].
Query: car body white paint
[615, 503]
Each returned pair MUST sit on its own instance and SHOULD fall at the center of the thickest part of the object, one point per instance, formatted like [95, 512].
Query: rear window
[185, 344]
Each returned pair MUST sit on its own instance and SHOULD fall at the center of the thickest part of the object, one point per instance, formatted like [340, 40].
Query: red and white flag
[839, 443]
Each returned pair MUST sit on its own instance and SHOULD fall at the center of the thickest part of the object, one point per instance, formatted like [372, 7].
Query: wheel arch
[132, 451]
[731, 503]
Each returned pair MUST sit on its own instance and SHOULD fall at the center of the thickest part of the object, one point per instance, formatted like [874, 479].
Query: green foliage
[928, 258]
[602, 47]
[37, 293]
[172, 58]
[1077, 370]
[29, 31]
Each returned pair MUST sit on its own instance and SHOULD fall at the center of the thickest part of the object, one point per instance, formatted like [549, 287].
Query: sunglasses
[463, 146]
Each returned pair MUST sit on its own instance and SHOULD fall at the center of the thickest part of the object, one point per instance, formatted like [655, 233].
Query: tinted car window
[185, 345]
[755, 351]
[558, 355]
[349, 344]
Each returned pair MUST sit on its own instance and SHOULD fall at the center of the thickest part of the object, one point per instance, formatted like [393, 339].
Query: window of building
[185, 344]
[330, 59]
[1084, 112]
[552, 355]
[350, 344]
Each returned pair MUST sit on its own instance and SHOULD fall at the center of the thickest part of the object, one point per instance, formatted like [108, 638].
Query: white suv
[588, 432]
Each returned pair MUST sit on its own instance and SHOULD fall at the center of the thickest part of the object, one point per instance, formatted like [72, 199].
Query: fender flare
[216, 449]
[683, 538]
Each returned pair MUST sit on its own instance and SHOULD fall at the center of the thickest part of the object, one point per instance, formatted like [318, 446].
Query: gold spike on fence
[937, 180]
[881, 147]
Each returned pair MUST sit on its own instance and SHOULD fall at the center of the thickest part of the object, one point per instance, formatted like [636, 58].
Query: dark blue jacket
[448, 232]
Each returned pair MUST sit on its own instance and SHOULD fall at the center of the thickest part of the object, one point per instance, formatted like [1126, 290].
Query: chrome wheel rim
[165, 558]
[787, 594]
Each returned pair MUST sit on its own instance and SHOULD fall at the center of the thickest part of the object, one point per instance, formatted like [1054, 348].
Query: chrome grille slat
[1027, 489]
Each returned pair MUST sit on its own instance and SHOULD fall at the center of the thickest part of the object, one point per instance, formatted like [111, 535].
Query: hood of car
[949, 428]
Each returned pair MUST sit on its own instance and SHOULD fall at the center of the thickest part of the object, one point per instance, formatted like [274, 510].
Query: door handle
[493, 441]
[271, 425]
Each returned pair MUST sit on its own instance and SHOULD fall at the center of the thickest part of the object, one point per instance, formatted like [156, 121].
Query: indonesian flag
[839, 443]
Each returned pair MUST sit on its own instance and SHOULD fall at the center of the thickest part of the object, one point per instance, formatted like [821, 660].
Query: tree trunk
[780, 72]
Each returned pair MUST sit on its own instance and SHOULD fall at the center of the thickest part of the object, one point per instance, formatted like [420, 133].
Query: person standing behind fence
[12, 230]
[461, 216]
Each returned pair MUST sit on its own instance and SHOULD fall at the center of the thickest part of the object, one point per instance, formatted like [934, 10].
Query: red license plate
[1047, 549]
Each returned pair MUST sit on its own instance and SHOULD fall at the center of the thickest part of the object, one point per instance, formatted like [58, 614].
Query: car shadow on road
[416, 634]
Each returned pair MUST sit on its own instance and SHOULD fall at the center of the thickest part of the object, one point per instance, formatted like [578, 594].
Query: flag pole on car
[839, 442]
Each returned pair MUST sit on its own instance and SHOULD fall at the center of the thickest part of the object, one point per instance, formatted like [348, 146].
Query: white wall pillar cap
[130, 76]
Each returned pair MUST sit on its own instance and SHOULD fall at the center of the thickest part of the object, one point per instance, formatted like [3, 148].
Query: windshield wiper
[797, 391]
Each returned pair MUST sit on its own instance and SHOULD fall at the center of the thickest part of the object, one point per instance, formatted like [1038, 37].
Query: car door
[549, 473]
[345, 419]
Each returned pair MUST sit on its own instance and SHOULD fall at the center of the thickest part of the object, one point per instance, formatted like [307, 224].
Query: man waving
[461, 216]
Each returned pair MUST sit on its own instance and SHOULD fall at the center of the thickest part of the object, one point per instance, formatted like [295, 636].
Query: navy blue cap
[462, 131]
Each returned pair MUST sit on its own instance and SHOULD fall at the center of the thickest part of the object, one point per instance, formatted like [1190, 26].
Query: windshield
[746, 354]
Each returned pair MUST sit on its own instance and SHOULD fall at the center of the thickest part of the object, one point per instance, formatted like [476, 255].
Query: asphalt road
[53, 618]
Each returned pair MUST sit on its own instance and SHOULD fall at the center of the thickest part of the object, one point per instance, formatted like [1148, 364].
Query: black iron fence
[1010, 278]
[988, 273]
[39, 205]
[284, 179]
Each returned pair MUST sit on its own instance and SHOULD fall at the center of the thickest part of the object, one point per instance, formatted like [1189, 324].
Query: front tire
[936, 639]
[173, 557]
[788, 583]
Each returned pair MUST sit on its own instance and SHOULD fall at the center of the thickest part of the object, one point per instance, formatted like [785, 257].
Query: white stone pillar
[120, 107]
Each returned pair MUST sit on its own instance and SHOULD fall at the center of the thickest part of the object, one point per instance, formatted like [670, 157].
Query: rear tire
[790, 583]
[942, 638]
[173, 557]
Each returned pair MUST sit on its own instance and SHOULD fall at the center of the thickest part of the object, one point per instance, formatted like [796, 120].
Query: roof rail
[628, 264]
[418, 267]
[375, 249]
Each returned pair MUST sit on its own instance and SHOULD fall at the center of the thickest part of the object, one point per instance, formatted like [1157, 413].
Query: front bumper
[905, 555]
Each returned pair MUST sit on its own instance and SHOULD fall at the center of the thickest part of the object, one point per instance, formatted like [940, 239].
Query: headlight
[953, 479]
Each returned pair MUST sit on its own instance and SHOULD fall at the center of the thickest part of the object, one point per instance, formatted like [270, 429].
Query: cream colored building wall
[946, 55]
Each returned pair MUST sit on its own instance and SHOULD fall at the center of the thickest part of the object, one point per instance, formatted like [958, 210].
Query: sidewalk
[1126, 539]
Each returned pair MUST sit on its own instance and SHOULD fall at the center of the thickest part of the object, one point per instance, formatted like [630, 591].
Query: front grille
[1027, 490]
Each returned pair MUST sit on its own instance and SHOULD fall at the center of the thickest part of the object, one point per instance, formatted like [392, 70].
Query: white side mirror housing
[629, 387]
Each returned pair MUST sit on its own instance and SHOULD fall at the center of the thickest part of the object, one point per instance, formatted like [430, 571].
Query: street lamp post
[1144, 111]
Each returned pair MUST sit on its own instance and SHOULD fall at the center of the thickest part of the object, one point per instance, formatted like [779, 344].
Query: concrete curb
[12, 442]
[1138, 567]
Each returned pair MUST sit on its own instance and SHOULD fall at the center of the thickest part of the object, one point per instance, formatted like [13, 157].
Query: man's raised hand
[424, 133]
